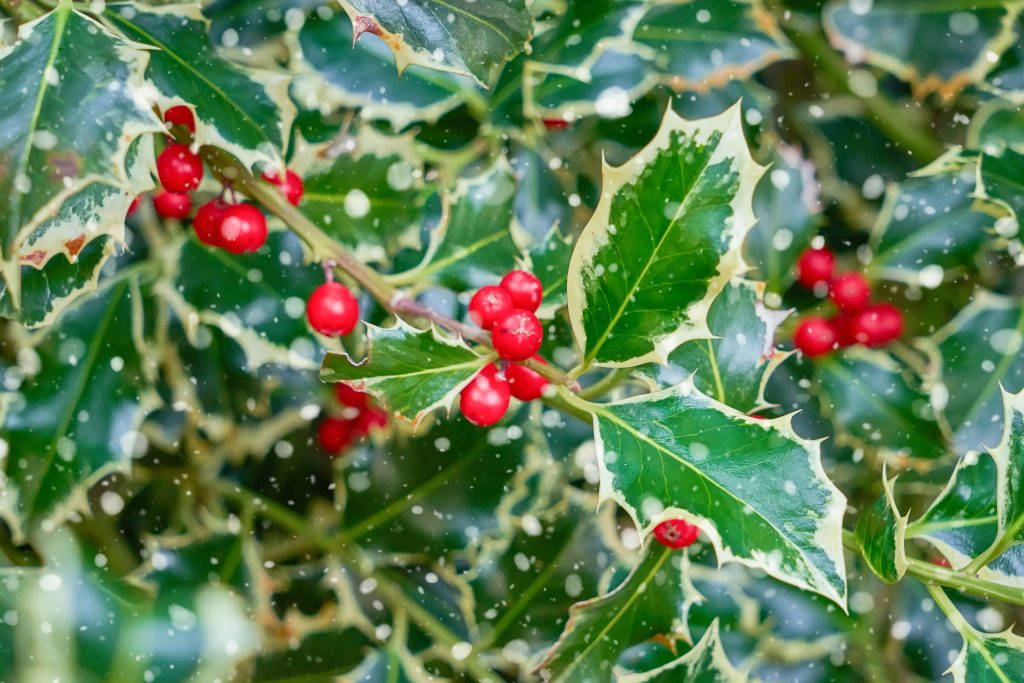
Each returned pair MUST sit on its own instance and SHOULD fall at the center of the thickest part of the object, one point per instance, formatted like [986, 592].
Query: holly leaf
[987, 657]
[66, 184]
[882, 534]
[371, 201]
[875, 403]
[704, 44]
[935, 49]
[706, 662]
[412, 372]
[962, 522]
[255, 299]
[473, 246]
[336, 71]
[548, 259]
[926, 228]
[788, 213]
[77, 418]
[987, 335]
[734, 365]
[765, 500]
[1009, 459]
[685, 198]
[646, 604]
[471, 37]
[999, 180]
[245, 111]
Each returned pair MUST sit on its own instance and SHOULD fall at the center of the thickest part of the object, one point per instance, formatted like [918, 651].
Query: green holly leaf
[473, 246]
[245, 111]
[882, 534]
[734, 366]
[371, 201]
[999, 180]
[779, 513]
[998, 124]
[1009, 459]
[962, 522]
[987, 657]
[875, 403]
[646, 604]
[706, 662]
[685, 198]
[927, 228]
[471, 37]
[412, 372]
[336, 71]
[704, 44]
[936, 49]
[975, 353]
[255, 299]
[788, 213]
[66, 184]
[76, 418]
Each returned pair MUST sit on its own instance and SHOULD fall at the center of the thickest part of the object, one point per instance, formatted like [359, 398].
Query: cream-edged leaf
[882, 533]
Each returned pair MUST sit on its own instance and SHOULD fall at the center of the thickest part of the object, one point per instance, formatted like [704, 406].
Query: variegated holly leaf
[96, 626]
[882, 534]
[256, 299]
[975, 353]
[370, 200]
[76, 418]
[987, 657]
[940, 49]
[875, 402]
[412, 372]
[998, 124]
[669, 227]
[962, 522]
[471, 37]
[766, 501]
[999, 180]
[926, 228]
[734, 365]
[704, 44]
[473, 246]
[66, 183]
[1009, 459]
[646, 604]
[706, 662]
[336, 71]
[245, 111]
[788, 213]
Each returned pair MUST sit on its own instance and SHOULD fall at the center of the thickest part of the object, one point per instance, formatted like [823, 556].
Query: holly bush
[496, 340]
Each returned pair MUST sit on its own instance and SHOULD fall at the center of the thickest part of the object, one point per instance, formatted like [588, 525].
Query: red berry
[133, 207]
[181, 116]
[208, 221]
[556, 124]
[335, 434]
[332, 310]
[172, 204]
[676, 533]
[940, 561]
[815, 266]
[179, 168]
[517, 335]
[877, 325]
[242, 228]
[370, 419]
[815, 336]
[485, 399]
[526, 384]
[489, 304]
[525, 289]
[850, 292]
[843, 325]
[353, 398]
[291, 185]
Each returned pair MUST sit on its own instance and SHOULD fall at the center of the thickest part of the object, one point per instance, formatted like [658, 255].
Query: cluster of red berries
[857, 322]
[360, 417]
[508, 312]
[676, 533]
[237, 228]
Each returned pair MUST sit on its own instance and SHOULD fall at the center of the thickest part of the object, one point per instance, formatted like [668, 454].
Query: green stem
[948, 608]
[1000, 546]
[931, 574]
[340, 545]
[896, 121]
[605, 384]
